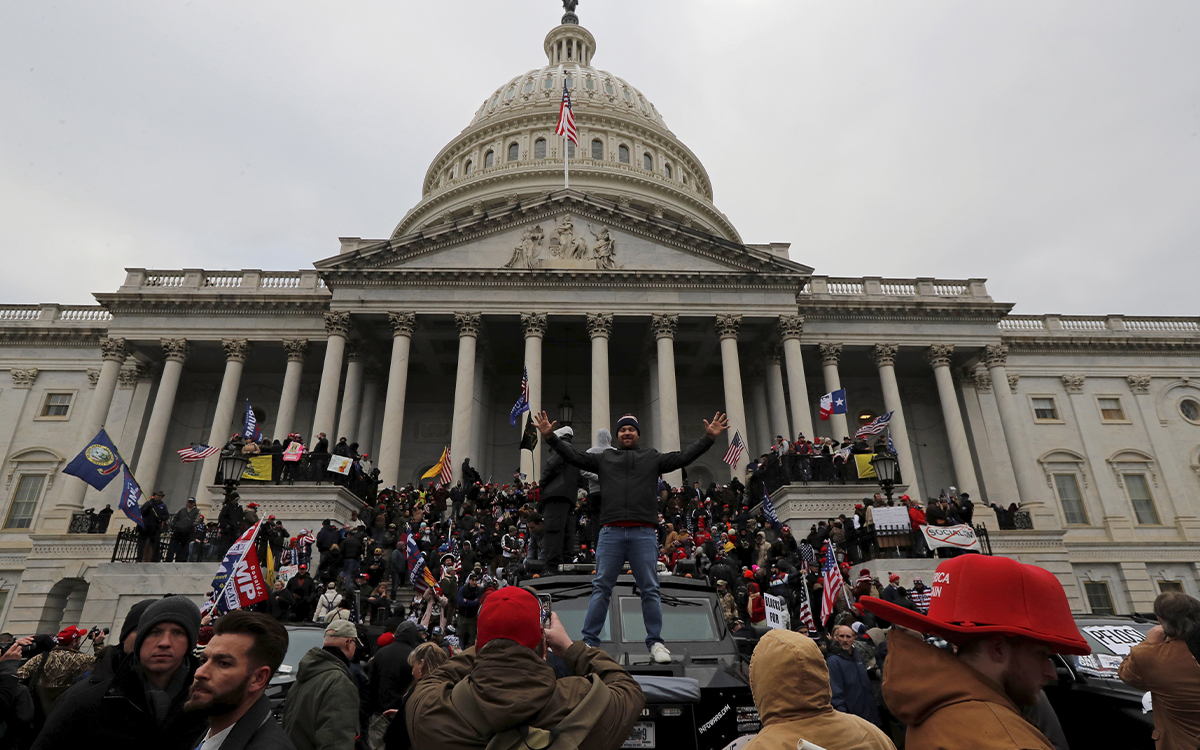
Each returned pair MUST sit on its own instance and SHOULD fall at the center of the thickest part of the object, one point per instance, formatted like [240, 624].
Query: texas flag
[833, 403]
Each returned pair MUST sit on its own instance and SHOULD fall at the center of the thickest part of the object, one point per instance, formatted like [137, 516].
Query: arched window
[539, 148]
[528, 86]
[570, 81]
[590, 83]
[548, 83]
[597, 149]
[469, 166]
[648, 162]
[623, 154]
[608, 88]
[512, 91]
[667, 170]
[489, 159]
[570, 149]
[513, 152]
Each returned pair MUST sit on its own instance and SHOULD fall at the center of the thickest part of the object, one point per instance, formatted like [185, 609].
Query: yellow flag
[437, 468]
[259, 468]
[270, 570]
[865, 469]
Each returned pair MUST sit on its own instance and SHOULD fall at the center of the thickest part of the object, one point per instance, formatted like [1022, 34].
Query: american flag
[831, 583]
[805, 609]
[566, 118]
[736, 449]
[875, 426]
[306, 537]
[522, 404]
[447, 474]
[197, 452]
[422, 579]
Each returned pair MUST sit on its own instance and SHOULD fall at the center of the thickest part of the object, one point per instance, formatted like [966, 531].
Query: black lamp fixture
[566, 410]
[230, 468]
[884, 464]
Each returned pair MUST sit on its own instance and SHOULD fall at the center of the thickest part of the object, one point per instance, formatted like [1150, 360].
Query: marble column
[885, 360]
[776, 400]
[731, 375]
[667, 430]
[599, 329]
[70, 499]
[649, 420]
[352, 393]
[1035, 496]
[790, 329]
[337, 326]
[534, 325]
[366, 416]
[402, 324]
[831, 354]
[758, 407]
[464, 390]
[478, 434]
[160, 414]
[285, 418]
[960, 450]
[236, 351]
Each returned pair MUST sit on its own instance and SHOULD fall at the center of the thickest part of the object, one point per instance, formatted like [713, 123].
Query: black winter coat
[388, 673]
[256, 731]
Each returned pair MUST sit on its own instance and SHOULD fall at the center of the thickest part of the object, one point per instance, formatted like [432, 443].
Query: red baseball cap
[975, 595]
[511, 613]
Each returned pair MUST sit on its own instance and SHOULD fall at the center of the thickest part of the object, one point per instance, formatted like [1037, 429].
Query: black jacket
[257, 730]
[113, 715]
[559, 478]
[629, 478]
[388, 673]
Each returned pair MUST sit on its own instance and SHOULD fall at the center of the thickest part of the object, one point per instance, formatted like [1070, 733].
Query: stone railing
[51, 313]
[252, 281]
[1074, 325]
[877, 286]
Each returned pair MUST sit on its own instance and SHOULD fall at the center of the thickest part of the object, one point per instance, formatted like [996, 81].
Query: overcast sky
[1050, 147]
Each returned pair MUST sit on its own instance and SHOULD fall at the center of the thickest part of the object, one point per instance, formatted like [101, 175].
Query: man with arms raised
[629, 517]
[237, 665]
[1006, 618]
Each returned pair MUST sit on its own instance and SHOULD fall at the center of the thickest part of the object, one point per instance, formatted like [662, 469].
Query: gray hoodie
[603, 443]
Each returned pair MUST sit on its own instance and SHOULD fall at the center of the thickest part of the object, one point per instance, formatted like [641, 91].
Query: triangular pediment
[566, 231]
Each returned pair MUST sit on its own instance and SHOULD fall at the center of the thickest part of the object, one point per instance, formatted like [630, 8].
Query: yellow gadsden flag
[259, 468]
[437, 468]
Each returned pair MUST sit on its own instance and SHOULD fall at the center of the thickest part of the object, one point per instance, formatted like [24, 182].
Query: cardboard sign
[1116, 638]
[293, 452]
[961, 536]
[891, 518]
[777, 613]
[340, 464]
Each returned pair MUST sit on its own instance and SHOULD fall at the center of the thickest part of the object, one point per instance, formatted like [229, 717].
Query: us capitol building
[628, 292]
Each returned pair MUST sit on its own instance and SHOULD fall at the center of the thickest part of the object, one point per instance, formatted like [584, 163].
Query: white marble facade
[628, 293]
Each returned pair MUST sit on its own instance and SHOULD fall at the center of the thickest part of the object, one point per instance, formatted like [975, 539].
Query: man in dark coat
[848, 680]
[305, 592]
[141, 706]
[560, 485]
[389, 674]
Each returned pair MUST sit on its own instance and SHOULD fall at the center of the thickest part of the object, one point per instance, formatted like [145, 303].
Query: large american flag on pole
[522, 404]
[875, 426]
[803, 607]
[566, 118]
[831, 583]
[736, 449]
[197, 452]
[447, 474]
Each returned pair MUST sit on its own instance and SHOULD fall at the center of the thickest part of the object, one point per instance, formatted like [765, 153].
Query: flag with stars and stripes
[875, 426]
[736, 448]
[197, 452]
[831, 583]
[566, 118]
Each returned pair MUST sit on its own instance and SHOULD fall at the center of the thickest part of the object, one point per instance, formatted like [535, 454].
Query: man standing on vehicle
[559, 485]
[1163, 665]
[629, 517]
[1006, 618]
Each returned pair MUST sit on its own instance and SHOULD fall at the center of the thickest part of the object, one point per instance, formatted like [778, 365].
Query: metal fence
[87, 522]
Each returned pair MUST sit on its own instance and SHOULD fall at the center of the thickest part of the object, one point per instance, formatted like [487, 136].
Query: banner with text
[961, 536]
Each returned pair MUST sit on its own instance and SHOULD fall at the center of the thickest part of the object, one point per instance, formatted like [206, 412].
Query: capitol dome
[509, 151]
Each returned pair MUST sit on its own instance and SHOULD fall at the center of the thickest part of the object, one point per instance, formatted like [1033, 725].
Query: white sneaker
[660, 654]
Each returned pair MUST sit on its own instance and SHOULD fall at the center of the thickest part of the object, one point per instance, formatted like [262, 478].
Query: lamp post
[566, 411]
[885, 470]
[231, 467]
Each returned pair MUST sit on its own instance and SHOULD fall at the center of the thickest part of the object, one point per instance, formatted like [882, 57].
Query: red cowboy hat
[975, 595]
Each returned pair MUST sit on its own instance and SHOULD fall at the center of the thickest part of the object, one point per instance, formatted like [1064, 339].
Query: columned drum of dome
[628, 155]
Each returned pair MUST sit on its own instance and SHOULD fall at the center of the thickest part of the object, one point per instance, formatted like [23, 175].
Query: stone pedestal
[299, 506]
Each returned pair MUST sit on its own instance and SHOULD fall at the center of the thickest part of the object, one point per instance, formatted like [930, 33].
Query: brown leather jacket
[947, 705]
[514, 687]
[1172, 675]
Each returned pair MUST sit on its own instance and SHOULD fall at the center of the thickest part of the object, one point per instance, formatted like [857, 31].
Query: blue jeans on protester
[639, 546]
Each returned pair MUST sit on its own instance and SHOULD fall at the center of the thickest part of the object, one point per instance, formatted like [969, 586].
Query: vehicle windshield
[1110, 642]
[684, 619]
[571, 613]
[300, 640]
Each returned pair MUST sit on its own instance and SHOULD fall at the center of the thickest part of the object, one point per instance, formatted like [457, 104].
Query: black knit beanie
[177, 609]
[630, 420]
[131, 619]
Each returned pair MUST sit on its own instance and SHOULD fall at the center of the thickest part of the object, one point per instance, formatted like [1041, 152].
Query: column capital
[939, 354]
[1013, 379]
[790, 326]
[885, 354]
[664, 326]
[177, 350]
[297, 349]
[24, 378]
[236, 350]
[337, 323]
[403, 323]
[113, 349]
[983, 381]
[534, 324]
[599, 325]
[831, 354]
[1138, 383]
[93, 376]
[355, 351]
[995, 355]
[1073, 383]
[727, 325]
[468, 323]
[127, 378]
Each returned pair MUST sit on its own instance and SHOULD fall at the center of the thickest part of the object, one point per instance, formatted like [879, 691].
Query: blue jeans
[639, 546]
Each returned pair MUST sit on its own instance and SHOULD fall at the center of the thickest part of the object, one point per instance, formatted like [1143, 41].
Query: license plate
[641, 736]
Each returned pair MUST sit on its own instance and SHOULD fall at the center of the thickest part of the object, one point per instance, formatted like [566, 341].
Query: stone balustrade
[80, 315]
[1088, 325]
[248, 280]
[877, 286]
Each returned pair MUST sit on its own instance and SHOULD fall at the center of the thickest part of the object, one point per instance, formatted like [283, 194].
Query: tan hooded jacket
[791, 691]
[948, 705]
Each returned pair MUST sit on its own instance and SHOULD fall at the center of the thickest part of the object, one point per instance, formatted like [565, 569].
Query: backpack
[571, 731]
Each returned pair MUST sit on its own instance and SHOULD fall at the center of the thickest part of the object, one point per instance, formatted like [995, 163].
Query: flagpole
[566, 165]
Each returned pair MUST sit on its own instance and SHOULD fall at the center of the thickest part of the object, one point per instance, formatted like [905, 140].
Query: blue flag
[891, 445]
[769, 509]
[131, 497]
[522, 404]
[250, 430]
[98, 463]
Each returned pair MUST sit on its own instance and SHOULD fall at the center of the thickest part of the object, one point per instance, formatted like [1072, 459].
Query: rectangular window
[1110, 409]
[1139, 494]
[1165, 586]
[1067, 486]
[56, 405]
[1044, 409]
[1099, 598]
[24, 502]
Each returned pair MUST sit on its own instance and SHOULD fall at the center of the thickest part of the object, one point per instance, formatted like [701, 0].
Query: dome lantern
[570, 44]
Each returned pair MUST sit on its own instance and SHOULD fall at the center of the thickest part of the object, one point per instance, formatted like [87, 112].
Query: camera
[95, 631]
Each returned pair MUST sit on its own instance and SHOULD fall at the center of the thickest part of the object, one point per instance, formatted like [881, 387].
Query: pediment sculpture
[566, 250]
